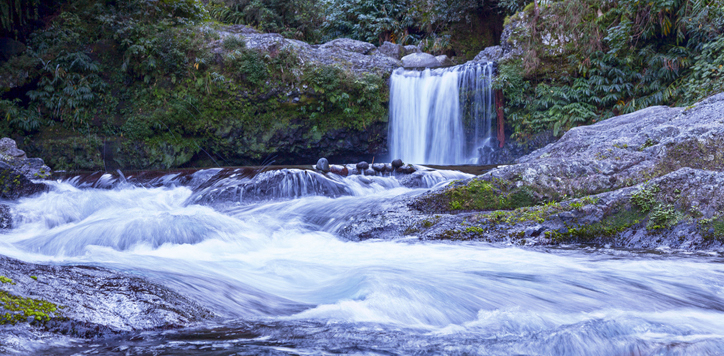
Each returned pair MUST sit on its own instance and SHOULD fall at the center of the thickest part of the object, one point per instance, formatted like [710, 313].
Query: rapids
[283, 280]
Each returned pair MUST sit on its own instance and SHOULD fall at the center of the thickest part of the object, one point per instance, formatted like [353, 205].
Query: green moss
[4, 279]
[712, 228]
[606, 228]
[19, 309]
[489, 195]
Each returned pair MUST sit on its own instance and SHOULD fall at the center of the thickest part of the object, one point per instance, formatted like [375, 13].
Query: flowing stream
[266, 253]
[441, 116]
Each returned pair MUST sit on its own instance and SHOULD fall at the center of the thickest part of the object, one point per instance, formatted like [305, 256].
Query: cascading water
[441, 116]
[283, 279]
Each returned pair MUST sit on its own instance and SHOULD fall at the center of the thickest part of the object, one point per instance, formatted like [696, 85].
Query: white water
[429, 110]
[282, 262]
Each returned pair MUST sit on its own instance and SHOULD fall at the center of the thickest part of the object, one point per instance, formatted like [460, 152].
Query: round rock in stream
[322, 165]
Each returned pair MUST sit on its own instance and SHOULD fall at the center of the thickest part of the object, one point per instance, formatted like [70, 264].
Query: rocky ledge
[42, 305]
[649, 179]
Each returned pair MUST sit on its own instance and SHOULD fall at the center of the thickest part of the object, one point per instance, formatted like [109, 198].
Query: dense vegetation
[583, 61]
[135, 83]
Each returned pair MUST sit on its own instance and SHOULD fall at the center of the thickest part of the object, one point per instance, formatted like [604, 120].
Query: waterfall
[441, 116]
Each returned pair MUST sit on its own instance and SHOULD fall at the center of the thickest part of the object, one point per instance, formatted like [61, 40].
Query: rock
[489, 54]
[6, 217]
[322, 165]
[388, 167]
[350, 45]
[668, 159]
[378, 167]
[14, 185]
[406, 169]
[355, 56]
[445, 61]
[10, 48]
[420, 60]
[397, 163]
[392, 50]
[363, 165]
[31, 168]
[409, 49]
[510, 47]
[370, 172]
[8, 147]
[339, 170]
[96, 302]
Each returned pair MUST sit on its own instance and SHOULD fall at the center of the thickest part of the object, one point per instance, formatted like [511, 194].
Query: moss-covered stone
[19, 309]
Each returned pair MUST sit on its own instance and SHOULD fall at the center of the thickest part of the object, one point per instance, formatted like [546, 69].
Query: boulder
[362, 166]
[378, 167]
[392, 50]
[397, 163]
[14, 185]
[322, 165]
[350, 45]
[489, 54]
[31, 168]
[445, 61]
[420, 60]
[410, 49]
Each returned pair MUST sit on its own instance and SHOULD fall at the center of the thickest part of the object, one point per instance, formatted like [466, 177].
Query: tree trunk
[501, 122]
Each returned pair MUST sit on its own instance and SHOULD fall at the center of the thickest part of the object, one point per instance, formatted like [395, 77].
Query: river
[269, 256]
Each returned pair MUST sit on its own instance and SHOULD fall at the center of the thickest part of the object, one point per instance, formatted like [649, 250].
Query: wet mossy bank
[649, 179]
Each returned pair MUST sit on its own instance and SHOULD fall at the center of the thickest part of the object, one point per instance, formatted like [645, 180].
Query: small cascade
[441, 116]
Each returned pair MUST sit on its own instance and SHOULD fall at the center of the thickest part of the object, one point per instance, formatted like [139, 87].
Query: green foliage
[604, 59]
[14, 13]
[353, 101]
[299, 19]
[645, 198]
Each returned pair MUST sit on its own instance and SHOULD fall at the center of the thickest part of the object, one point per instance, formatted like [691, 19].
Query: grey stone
[363, 165]
[17, 161]
[397, 163]
[370, 172]
[322, 165]
[489, 54]
[392, 50]
[420, 60]
[344, 53]
[444, 61]
[409, 49]
[6, 217]
[379, 167]
[350, 45]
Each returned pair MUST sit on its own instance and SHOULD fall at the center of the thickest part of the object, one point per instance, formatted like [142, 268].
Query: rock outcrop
[357, 56]
[489, 54]
[94, 301]
[16, 159]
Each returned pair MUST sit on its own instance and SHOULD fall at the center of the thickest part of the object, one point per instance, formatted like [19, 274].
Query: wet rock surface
[15, 185]
[16, 159]
[95, 302]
